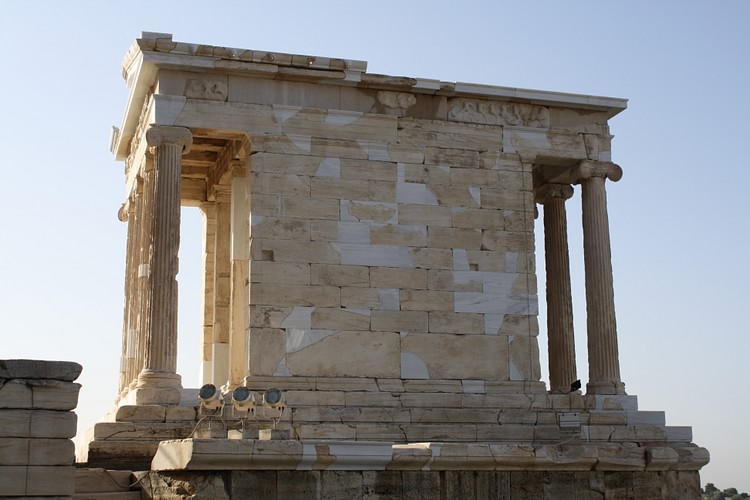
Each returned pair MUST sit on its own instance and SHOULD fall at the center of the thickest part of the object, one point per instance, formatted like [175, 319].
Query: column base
[605, 387]
[156, 388]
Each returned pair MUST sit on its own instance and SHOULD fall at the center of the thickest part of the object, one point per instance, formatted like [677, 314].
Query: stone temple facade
[369, 251]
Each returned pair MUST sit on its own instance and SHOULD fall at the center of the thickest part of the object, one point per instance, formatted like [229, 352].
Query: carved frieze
[396, 103]
[211, 90]
[498, 113]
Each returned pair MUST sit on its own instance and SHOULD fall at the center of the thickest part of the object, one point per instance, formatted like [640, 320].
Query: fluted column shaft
[160, 353]
[560, 338]
[126, 215]
[604, 363]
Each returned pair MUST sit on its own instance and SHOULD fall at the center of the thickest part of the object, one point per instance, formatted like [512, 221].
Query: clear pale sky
[678, 218]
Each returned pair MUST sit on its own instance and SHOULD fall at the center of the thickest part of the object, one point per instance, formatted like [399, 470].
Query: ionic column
[160, 349]
[604, 363]
[560, 340]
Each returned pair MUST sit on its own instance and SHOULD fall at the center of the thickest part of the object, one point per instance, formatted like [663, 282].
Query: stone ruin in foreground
[369, 251]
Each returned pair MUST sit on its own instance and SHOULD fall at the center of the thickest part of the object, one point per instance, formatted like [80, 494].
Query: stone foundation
[468, 484]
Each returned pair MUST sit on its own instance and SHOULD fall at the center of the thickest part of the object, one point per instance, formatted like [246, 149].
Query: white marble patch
[412, 366]
[460, 260]
[473, 386]
[476, 194]
[342, 118]
[367, 455]
[302, 142]
[373, 255]
[493, 323]
[309, 456]
[281, 369]
[515, 373]
[377, 151]
[329, 167]
[353, 232]
[282, 114]
[389, 299]
[256, 219]
[410, 192]
[300, 317]
[511, 262]
[417, 194]
[516, 139]
[297, 339]
[435, 449]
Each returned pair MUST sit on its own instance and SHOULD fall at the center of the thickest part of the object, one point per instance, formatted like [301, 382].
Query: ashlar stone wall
[393, 247]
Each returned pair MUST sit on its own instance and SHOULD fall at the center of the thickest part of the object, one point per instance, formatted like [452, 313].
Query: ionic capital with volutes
[587, 169]
[159, 135]
[549, 192]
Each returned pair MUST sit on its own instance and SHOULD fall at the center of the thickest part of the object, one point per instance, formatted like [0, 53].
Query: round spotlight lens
[241, 394]
[207, 391]
[272, 396]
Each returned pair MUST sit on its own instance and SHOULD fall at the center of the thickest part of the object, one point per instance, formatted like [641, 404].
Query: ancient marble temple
[369, 250]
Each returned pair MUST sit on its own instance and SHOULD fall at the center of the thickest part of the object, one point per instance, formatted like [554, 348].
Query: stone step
[101, 495]
[103, 484]
[121, 455]
[94, 480]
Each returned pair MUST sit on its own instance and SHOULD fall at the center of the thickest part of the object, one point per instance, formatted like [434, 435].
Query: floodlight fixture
[210, 397]
[243, 400]
[274, 399]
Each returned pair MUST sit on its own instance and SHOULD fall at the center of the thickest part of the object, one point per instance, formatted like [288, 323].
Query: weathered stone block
[37, 481]
[382, 191]
[432, 258]
[399, 321]
[263, 226]
[180, 414]
[340, 319]
[333, 188]
[282, 184]
[444, 237]
[309, 208]
[141, 413]
[299, 295]
[66, 371]
[368, 170]
[266, 347]
[411, 235]
[420, 485]
[336, 275]
[368, 354]
[40, 394]
[37, 424]
[309, 252]
[135, 431]
[25, 451]
[389, 277]
[426, 300]
[482, 218]
[423, 214]
[472, 356]
[450, 322]
[341, 485]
